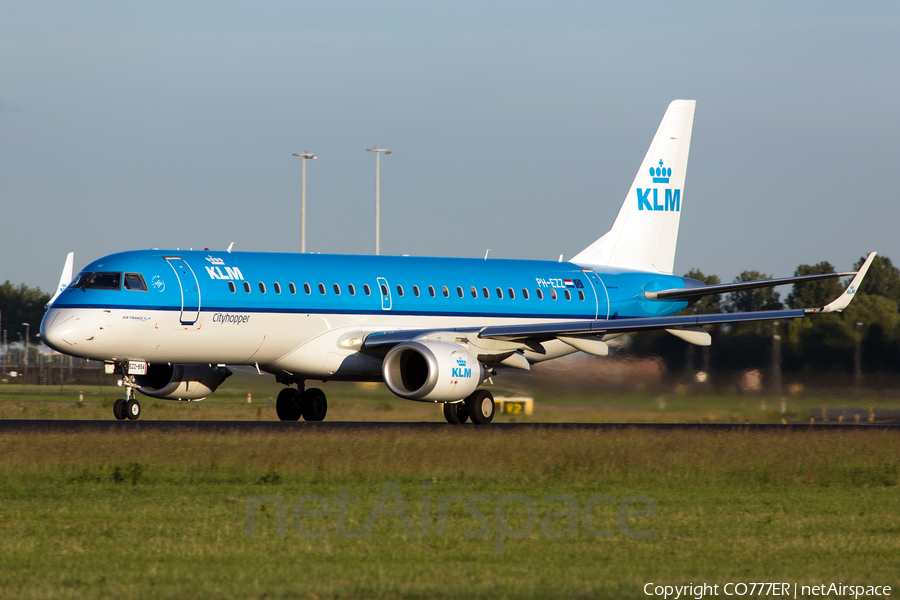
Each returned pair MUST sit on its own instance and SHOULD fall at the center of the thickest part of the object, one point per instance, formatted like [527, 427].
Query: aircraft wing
[550, 330]
[738, 286]
[585, 335]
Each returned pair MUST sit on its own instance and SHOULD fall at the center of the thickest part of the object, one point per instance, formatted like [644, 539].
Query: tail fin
[645, 232]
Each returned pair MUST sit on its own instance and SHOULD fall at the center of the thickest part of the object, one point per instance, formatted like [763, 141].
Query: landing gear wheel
[481, 407]
[313, 404]
[287, 406]
[132, 409]
[456, 413]
[119, 409]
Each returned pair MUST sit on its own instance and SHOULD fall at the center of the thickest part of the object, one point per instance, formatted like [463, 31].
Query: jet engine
[432, 371]
[181, 382]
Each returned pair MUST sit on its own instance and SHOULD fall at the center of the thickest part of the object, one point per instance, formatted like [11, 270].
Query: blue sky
[515, 126]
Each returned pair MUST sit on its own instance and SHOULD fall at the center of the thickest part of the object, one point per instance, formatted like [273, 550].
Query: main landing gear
[293, 404]
[479, 407]
[129, 408]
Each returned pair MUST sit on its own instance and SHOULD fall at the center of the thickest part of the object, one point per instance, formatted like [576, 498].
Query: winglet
[66, 278]
[844, 299]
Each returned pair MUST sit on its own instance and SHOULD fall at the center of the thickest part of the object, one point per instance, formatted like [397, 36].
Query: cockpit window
[135, 282]
[79, 280]
[103, 281]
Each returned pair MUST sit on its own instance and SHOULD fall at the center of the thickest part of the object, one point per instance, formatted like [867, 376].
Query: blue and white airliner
[169, 322]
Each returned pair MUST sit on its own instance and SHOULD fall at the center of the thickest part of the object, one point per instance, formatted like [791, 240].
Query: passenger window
[474, 292]
[277, 287]
[231, 286]
[540, 294]
[553, 294]
[431, 291]
[384, 290]
[337, 290]
[446, 292]
[322, 288]
[135, 282]
[352, 289]
[486, 293]
[367, 289]
[512, 294]
[500, 293]
[262, 287]
[581, 295]
[292, 287]
[307, 289]
[247, 286]
[459, 291]
[103, 281]
[568, 295]
[400, 289]
[416, 291]
[525, 293]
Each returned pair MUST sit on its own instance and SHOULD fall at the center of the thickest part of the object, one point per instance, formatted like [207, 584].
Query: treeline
[20, 305]
[812, 345]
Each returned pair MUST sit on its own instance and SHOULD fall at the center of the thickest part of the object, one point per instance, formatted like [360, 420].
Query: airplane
[169, 322]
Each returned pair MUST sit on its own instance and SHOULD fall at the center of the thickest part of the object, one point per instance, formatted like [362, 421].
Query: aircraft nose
[54, 328]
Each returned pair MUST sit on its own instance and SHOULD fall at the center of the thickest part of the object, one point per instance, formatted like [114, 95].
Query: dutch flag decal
[568, 283]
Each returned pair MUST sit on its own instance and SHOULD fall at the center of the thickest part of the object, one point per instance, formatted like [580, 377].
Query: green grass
[133, 515]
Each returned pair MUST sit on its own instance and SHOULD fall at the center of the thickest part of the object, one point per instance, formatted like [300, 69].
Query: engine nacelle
[181, 382]
[431, 371]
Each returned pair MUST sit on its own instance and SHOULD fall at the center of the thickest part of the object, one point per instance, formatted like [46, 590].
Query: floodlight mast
[378, 152]
[306, 155]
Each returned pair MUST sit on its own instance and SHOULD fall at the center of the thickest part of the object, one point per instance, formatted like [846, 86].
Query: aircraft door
[190, 289]
[600, 293]
[385, 290]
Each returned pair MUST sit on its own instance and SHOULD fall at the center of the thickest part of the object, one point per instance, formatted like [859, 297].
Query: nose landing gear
[127, 408]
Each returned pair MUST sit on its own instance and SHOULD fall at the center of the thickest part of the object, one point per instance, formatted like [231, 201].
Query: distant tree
[707, 304]
[753, 300]
[883, 278]
[21, 305]
[814, 293]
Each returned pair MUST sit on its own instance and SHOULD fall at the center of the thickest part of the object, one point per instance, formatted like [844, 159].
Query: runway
[299, 427]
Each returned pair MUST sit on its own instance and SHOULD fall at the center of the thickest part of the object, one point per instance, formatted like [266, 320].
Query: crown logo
[660, 174]
[461, 361]
[215, 261]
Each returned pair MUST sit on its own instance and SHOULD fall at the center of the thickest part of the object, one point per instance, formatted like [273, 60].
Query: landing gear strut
[129, 408]
[310, 404]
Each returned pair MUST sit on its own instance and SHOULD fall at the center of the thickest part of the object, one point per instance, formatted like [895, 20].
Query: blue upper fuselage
[250, 282]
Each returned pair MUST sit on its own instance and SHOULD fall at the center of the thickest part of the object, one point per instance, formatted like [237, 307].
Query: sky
[515, 126]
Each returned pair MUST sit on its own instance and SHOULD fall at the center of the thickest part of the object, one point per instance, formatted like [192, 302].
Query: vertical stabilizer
[645, 232]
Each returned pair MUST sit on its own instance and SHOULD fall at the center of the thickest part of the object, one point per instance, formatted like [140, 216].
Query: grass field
[131, 515]
[373, 402]
[165, 515]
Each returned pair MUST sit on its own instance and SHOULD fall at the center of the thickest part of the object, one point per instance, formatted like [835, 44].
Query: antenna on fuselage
[230, 246]
[486, 253]
[560, 257]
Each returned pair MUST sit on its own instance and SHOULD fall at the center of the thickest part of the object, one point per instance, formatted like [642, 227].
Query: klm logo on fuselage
[461, 371]
[216, 272]
[672, 199]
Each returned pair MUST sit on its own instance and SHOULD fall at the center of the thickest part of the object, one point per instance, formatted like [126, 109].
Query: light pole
[306, 155]
[27, 335]
[377, 152]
